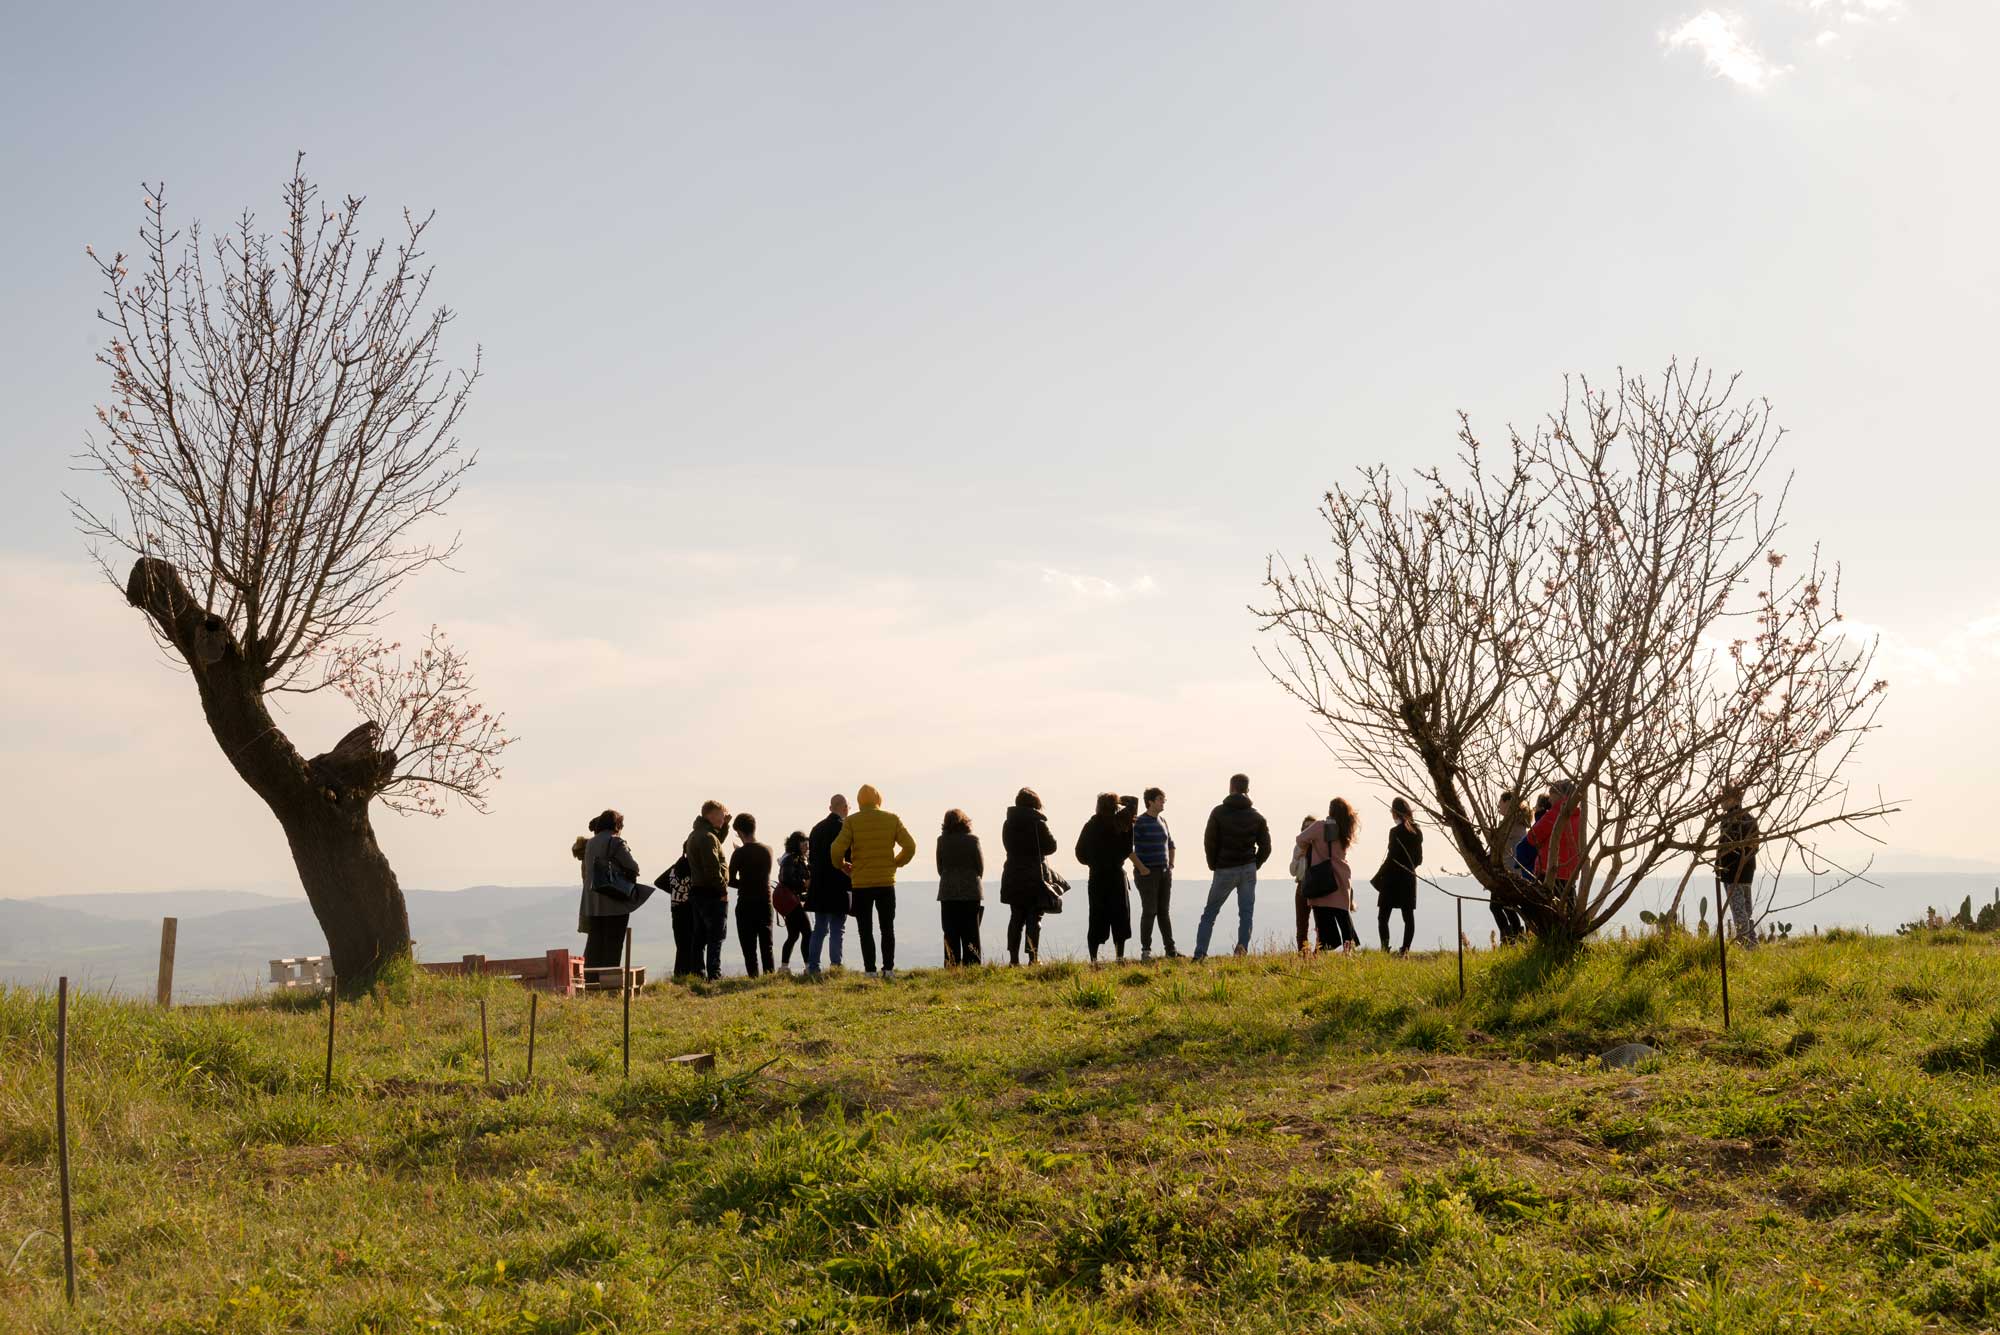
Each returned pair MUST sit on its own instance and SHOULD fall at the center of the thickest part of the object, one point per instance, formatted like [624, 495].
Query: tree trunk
[350, 884]
[321, 803]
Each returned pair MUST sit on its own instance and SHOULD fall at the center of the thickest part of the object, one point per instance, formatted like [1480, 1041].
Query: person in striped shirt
[1153, 873]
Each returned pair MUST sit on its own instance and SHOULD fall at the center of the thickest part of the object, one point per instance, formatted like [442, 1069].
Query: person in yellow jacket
[871, 845]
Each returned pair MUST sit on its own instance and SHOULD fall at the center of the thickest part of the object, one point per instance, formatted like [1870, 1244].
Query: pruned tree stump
[701, 1063]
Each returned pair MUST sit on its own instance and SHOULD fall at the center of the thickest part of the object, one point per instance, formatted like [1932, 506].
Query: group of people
[845, 868]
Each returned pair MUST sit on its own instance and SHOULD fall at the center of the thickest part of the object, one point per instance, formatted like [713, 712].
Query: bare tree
[279, 437]
[1601, 602]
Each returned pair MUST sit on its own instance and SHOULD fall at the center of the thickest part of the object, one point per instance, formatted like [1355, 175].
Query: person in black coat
[826, 896]
[750, 878]
[1396, 882]
[960, 866]
[1027, 840]
[794, 876]
[1105, 846]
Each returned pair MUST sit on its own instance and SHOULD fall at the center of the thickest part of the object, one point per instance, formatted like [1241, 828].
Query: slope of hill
[1264, 1144]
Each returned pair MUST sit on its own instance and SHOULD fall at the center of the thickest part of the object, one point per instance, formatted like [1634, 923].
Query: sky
[913, 394]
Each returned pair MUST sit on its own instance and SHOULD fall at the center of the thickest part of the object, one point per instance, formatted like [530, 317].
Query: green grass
[1264, 1144]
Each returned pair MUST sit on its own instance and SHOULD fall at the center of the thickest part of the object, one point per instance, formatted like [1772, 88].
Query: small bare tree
[278, 437]
[1602, 603]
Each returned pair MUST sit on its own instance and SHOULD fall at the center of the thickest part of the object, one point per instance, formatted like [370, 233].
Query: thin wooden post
[628, 1003]
[485, 1050]
[1722, 953]
[62, 1134]
[1461, 947]
[332, 1004]
[169, 930]
[533, 997]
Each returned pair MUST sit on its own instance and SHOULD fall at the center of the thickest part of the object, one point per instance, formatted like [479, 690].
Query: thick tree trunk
[322, 803]
[351, 886]
[1540, 908]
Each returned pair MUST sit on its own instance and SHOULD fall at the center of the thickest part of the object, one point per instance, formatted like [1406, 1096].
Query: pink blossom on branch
[444, 741]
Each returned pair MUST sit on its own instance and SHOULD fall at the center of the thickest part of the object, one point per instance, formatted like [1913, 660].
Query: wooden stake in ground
[62, 1134]
[533, 997]
[169, 929]
[485, 1050]
[1722, 953]
[1460, 905]
[332, 1003]
[628, 1003]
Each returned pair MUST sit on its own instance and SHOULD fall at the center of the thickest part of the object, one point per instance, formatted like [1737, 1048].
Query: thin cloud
[1096, 586]
[1725, 49]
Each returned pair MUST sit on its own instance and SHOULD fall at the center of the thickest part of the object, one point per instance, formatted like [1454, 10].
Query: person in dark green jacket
[708, 870]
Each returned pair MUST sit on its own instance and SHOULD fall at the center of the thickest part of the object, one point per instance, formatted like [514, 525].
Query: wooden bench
[557, 971]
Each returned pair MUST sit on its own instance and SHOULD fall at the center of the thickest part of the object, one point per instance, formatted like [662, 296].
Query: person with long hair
[1396, 881]
[600, 917]
[960, 867]
[1329, 884]
[1027, 841]
[1302, 914]
[1507, 841]
[789, 899]
[1557, 836]
[1104, 846]
[750, 878]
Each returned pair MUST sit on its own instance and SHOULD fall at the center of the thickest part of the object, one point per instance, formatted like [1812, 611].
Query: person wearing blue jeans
[1237, 842]
[829, 929]
[827, 888]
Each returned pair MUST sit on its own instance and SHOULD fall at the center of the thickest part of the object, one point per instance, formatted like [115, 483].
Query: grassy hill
[1264, 1144]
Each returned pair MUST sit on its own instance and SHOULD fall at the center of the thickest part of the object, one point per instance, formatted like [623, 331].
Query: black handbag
[1319, 880]
[606, 880]
[1049, 898]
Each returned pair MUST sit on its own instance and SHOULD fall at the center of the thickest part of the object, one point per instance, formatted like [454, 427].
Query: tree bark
[322, 804]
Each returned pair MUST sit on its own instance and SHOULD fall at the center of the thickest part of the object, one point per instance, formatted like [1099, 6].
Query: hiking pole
[332, 1003]
[62, 1134]
[1460, 905]
[533, 997]
[1722, 953]
[628, 1003]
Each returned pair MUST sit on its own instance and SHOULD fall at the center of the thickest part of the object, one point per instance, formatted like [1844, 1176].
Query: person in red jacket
[1558, 835]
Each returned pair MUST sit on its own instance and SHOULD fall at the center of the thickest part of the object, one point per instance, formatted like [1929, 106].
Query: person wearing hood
[1027, 840]
[708, 874]
[960, 866]
[871, 846]
[1105, 846]
[1237, 842]
[828, 890]
[601, 918]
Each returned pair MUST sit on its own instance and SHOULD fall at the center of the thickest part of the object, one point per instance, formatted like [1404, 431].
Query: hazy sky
[912, 395]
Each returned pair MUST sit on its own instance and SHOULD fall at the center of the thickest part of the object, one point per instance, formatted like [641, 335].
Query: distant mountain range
[226, 938]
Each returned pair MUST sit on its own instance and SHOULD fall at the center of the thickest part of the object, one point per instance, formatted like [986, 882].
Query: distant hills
[111, 942]
[227, 938]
